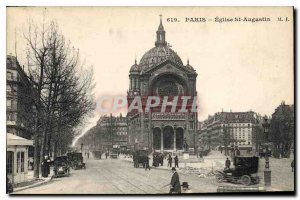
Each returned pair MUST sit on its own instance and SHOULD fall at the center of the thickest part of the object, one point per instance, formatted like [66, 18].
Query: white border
[4, 3]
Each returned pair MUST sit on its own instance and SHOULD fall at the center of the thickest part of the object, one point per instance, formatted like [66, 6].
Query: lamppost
[267, 171]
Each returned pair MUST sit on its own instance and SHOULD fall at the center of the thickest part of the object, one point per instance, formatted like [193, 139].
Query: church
[161, 73]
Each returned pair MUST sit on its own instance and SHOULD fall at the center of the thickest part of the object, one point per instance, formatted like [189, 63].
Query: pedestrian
[185, 188]
[221, 149]
[147, 166]
[106, 154]
[175, 187]
[176, 161]
[293, 165]
[154, 163]
[170, 161]
[227, 163]
[88, 154]
[45, 167]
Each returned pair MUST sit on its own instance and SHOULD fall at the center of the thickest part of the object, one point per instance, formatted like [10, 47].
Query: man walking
[293, 165]
[147, 166]
[227, 163]
[170, 161]
[176, 161]
[175, 183]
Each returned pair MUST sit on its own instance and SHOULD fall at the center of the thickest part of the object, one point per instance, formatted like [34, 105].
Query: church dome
[159, 54]
[135, 67]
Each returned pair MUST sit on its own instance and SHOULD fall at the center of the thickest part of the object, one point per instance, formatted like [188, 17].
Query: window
[22, 161]
[8, 103]
[9, 163]
[9, 76]
[9, 117]
[8, 88]
[191, 125]
[18, 161]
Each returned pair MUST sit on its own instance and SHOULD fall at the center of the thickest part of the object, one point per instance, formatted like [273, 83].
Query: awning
[16, 140]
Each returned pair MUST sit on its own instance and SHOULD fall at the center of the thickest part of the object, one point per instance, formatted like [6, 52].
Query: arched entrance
[156, 138]
[168, 137]
[179, 138]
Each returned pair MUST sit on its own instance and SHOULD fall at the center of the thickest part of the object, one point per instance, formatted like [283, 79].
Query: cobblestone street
[118, 176]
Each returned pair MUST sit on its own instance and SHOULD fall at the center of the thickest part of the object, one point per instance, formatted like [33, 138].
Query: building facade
[117, 127]
[161, 73]
[19, 104]
[239, 127]
[20, 113]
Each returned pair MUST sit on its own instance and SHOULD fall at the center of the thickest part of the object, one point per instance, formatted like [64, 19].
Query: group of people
[158, 159]
[175, 161]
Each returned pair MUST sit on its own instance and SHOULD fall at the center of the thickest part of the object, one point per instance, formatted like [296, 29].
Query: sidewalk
[33, 182]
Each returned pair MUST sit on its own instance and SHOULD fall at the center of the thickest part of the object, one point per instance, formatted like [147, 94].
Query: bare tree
[62, 89]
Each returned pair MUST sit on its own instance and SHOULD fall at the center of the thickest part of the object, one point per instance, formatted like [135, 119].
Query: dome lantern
[160, 35]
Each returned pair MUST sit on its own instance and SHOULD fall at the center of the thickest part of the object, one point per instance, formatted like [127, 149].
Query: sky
[241, 66]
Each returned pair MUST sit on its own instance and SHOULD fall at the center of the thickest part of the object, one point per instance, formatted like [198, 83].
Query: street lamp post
[267, 171]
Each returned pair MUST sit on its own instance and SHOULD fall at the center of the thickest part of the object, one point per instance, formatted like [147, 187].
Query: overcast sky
[241, 66]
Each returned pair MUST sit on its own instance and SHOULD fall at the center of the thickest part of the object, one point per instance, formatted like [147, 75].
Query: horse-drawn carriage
[244, 171]
[140, 157]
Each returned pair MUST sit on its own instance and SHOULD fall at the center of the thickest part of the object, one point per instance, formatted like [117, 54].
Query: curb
[232, 189]
[33, 185]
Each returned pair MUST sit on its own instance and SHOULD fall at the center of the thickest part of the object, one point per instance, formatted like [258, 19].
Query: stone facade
[161, 73]
[240, 126]
[19, 104]
[118, 125]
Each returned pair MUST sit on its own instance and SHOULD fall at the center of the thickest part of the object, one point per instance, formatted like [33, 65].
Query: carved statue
[185, 145]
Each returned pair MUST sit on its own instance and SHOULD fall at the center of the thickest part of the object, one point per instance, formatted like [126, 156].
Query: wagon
[244, 171]
[140, 157]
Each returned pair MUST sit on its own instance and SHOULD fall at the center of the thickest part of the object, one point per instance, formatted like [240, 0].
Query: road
[116, 176]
